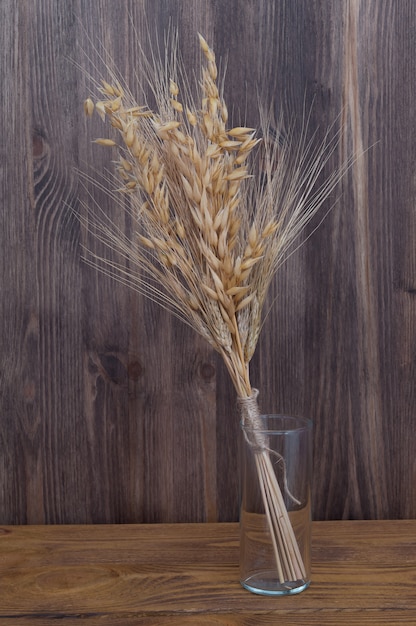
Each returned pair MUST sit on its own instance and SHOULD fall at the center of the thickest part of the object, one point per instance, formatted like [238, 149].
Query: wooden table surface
[187, 574]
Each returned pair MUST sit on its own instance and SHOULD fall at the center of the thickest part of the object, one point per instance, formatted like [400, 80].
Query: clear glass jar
[275, 512]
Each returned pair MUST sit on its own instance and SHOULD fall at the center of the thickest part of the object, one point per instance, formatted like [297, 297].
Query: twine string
[251, 422]
[253, 430]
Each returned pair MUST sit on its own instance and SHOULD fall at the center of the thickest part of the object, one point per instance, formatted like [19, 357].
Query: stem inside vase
[276, 504]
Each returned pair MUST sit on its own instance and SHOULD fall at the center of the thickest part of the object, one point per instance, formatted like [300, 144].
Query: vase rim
[280, 423]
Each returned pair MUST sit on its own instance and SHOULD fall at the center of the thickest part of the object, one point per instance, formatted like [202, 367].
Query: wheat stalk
[216, 210]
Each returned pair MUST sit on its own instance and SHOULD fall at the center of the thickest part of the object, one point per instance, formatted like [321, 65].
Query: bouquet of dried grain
[215, 209]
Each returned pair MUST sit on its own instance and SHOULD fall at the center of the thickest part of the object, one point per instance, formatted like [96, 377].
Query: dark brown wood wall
[110, 410]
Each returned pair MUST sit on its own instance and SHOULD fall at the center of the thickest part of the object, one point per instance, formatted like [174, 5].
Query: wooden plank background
[110, 410]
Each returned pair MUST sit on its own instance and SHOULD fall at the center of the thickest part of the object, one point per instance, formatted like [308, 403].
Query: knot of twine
[251, 422]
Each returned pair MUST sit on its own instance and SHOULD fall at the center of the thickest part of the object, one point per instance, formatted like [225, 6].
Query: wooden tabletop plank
[363, 573]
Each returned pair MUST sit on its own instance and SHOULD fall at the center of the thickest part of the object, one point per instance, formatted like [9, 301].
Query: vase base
[265, 584]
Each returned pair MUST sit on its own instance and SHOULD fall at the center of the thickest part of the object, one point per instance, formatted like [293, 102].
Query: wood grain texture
[111, 411]
[363, 573]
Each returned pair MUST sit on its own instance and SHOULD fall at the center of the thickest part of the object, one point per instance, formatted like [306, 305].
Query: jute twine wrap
[251, 422]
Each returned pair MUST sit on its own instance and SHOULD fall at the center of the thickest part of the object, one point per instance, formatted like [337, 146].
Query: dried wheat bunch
[214, 213]
[215, 209]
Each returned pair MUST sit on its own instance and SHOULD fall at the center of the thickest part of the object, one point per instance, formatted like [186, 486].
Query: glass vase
[275, 513]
